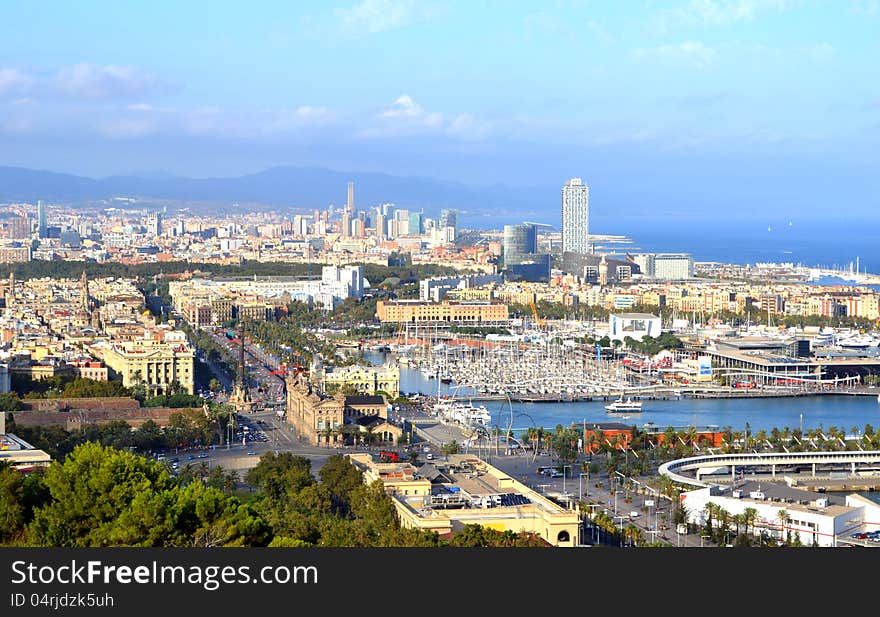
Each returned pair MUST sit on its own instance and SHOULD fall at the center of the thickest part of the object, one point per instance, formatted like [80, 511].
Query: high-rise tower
[349, 204]
[42, 224]
[519, 243]
[575, 217]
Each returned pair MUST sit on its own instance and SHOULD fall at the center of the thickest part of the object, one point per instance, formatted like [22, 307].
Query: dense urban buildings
[214, 301]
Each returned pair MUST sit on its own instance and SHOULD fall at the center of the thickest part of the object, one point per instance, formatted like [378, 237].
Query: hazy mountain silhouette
[293, 187]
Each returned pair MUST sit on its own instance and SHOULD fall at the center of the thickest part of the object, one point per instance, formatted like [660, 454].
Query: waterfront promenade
[665, 394]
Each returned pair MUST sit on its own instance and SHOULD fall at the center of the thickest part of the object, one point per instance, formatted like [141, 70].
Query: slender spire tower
[240, 399]
[242, 378]
[84, 291]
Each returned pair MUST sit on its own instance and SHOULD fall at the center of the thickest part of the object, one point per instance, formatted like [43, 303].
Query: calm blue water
[844, 412]
[833, 241]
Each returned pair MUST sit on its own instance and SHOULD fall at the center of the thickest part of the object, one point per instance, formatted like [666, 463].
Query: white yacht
[623, 406]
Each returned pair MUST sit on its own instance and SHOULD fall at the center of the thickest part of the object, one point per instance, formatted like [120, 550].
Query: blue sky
[695, 104]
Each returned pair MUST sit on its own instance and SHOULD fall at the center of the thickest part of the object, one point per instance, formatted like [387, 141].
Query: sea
[832, 242]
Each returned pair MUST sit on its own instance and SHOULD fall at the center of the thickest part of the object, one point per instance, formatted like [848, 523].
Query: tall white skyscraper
[576, 217]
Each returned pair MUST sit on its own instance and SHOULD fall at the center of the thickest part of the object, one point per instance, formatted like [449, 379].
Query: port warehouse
[446, 496]
[768, 362]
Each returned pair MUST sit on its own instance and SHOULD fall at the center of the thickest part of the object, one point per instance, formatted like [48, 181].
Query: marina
[760, 413]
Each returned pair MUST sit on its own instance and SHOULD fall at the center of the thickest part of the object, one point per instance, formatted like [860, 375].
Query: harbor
[559, 371]
[806, 411]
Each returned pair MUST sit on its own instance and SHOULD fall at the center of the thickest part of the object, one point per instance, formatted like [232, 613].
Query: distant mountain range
[280, 187]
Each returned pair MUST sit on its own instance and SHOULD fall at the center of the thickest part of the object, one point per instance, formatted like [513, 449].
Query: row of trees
[69, 386]
[102, 496]
[720, 525]
[186, 429]
[640, 451]
[66, 386]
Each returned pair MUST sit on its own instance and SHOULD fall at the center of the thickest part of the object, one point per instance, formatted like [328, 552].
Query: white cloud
[92, 81]
[730, 11]
[308, 111]
[13, 81]
[372, 16]
[404, 107]
[405, 118]
[692, 52]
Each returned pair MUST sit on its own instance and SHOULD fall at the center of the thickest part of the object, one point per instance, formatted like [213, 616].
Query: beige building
[157, 360]
[362, 379]
[407, 311]
[446, 496]
[14, 254]
[319, 418]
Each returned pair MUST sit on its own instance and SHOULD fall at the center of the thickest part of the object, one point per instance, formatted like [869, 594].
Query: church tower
[84, 292]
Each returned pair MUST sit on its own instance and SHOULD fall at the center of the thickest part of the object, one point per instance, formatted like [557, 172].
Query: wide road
[258, 367]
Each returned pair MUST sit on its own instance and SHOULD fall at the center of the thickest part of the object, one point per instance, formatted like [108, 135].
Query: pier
[660, 395]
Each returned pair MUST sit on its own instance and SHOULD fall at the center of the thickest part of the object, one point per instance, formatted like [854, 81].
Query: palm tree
[761, 437]
[633, 534]
[737, 440]
[711, 511]
[591, 440]
[750, 515]
[737, 521]
[782, 515]
[690, 437]
[724, 518]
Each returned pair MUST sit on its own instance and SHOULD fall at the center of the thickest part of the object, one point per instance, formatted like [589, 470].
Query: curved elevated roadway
[712, 462]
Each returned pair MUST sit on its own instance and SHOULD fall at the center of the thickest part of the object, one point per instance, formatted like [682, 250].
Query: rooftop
[635, 315]
[789, 498]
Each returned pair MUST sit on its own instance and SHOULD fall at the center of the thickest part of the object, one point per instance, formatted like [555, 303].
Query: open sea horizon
[833, 242]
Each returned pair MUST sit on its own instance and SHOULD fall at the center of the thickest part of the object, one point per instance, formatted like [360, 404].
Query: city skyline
[683, 107]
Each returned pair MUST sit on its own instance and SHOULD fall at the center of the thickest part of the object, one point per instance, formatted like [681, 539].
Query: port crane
[538, 319]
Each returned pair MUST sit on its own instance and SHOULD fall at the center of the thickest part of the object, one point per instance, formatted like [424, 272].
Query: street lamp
[615, 499]
[621, 527]
[580, 484]
[564, 467]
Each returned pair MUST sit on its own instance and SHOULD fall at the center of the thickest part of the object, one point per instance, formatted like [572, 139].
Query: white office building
[633, 325]
[786, 514]
[666, 266]
[576, 217]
